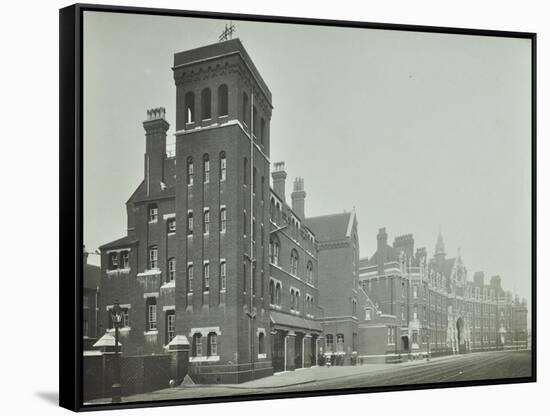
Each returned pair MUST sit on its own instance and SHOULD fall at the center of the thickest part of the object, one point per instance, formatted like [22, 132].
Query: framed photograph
[257, 207]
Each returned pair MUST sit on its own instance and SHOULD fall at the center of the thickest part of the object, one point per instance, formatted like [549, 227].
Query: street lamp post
[117, 319]
[428, 344]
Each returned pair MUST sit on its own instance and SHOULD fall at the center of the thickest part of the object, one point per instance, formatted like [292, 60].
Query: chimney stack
[382, 238]
[155, 127]
[299, 198]
[279, 179]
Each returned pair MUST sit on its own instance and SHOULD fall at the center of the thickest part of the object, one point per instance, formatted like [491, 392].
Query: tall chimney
[382, 238]
[279, 179]
[155, 127]
[299, 198]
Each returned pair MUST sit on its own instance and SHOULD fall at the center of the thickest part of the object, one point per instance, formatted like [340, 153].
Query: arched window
[206, 168]
[190, 171]
[340, 343]
[245, 171]
[309, 272]
[190, 223]
[223, 100]
[294, 262]
[261, 343]
[246, 110]
[245, 221]
[292, 299]
[329, 343]
[197, 345]
[272, 210]
[262, 131]
[297, 300]
[223, 167]
[190, 107]
[212, 344]
[171, 269]
[274, 250]
[271, 292]
[206, 104]
[278, 294]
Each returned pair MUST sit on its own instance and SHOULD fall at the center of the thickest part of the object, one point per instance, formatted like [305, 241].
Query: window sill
[169, 285]
[153, 222]
[211, 358]
[151, 332]
[262, 356]
[123, 330]
[171, 233]
[207, 119]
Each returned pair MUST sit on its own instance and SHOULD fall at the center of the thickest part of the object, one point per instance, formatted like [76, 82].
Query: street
[474, 366]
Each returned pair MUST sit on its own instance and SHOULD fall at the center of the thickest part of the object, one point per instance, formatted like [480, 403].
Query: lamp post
[116, 316]
[428, 344]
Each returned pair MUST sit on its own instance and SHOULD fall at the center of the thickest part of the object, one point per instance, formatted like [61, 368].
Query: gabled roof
[121, 242]
[332, 227]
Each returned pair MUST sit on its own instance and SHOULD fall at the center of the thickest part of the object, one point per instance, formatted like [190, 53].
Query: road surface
[475, 366]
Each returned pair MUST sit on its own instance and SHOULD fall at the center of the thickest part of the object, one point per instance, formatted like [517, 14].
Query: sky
[418, 132]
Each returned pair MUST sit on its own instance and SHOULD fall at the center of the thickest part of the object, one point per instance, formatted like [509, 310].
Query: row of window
[274, 249]
[198, 350]
[206, 169]
[329, 343]
[150, 319]
[275, 288]
[223, 109]
[119, 260]
[305, 238]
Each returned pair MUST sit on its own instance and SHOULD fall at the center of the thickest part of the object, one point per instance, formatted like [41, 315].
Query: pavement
[474, 366]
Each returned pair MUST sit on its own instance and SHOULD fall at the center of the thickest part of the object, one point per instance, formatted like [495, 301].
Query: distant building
[343, 302]
[90, 303]
[422, 306]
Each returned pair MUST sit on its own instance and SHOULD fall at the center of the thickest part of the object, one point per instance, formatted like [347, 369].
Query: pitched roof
[332, 227]
[121, 242]
[384, 255]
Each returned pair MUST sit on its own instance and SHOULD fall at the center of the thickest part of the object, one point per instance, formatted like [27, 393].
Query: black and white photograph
[279, 208]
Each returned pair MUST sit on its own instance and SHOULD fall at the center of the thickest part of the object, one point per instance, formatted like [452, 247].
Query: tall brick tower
[223, 111]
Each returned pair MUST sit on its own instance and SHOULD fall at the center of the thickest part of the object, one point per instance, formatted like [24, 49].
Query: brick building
[90, 303]
[422, 306]
[213, 253]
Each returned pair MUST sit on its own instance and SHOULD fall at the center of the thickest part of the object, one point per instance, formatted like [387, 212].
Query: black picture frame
[71, 201]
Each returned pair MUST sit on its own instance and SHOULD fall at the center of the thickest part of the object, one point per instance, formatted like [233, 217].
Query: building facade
[424, 306]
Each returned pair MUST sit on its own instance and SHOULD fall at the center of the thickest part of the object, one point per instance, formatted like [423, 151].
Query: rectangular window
[340, 343]
[190, 278]
[113, 261]
[171, 270]
[125, 317]
[223, 275]
[153, 213]
[151, 314]
[206, 221]
[153, 258]
[189, 223]
[170, 325]
[125, 259]
[415, 292]
[172, 225]
[206, 277]
[223, 220]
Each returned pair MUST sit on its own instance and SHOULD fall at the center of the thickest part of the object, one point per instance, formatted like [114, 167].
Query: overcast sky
[419, 132]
